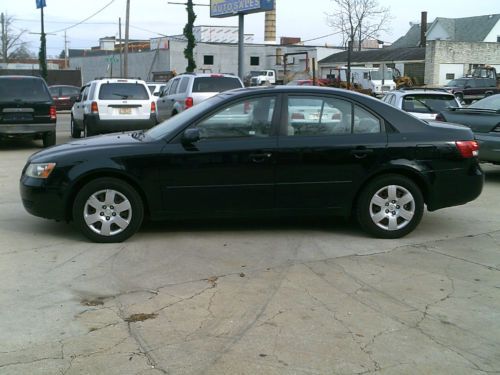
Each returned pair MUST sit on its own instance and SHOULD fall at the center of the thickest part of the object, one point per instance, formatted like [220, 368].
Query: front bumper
[41, 200]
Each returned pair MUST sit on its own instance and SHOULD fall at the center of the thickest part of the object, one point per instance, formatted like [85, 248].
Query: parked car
[187, 90]
[112, 104]
[155, 88]
[468, 89]
[483, 117]
[284, 150]
[27, 109]
[424, 104]
[64, 96]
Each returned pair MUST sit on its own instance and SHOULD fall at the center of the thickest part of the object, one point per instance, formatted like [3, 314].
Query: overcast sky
[151, 18]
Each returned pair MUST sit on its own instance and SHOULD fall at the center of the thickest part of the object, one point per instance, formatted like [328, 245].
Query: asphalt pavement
[248, 296]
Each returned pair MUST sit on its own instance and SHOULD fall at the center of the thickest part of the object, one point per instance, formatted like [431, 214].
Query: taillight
[297, 116]
[337, 116]
[153, 107]
[94, 108]
[188, 103]
[440, 117]
[53, 112]
[468, 149]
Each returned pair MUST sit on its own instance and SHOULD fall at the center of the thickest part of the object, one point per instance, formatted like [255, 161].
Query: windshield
[377, 75]
[456, 83]
[491, 102]
[174, 124]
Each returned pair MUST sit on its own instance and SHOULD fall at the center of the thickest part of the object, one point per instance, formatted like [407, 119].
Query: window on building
[498, 39]
[450, 75]
[208, 60]
[254, 60]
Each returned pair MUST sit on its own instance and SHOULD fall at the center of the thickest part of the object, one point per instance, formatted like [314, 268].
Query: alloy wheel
[392, 207]
[107, 212]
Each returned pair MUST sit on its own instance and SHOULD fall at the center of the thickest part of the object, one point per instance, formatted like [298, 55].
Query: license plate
[125, 111]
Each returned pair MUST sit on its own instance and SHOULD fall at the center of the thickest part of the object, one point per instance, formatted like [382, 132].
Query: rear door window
[123, 91]
[184, 84]
[215, 84]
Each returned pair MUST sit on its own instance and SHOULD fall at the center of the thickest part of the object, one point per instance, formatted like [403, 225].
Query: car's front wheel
[108, 210]
[390, 206]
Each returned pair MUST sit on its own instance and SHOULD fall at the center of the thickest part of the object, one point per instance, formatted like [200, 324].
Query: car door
[231, 167]
[327, 146]
[166, 102]
[78, 107]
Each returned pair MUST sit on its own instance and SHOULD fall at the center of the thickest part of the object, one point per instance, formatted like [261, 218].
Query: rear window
[70, 91]
[23, 89]
[428, 103]
[215, 84]
[126, 91]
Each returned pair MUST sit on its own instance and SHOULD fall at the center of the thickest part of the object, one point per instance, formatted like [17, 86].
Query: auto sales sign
[228, 8]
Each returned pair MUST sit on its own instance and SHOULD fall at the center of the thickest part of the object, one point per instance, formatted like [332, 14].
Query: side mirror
[156, 94]
[78, 98]
[191, 136]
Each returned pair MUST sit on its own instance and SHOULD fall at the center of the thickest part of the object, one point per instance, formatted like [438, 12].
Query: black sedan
[483, 117]
[277, 150]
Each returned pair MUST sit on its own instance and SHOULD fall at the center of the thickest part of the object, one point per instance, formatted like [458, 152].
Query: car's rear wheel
[75, 132]
[87, 131]
[49, 139]
[390, 206]
[108, 210]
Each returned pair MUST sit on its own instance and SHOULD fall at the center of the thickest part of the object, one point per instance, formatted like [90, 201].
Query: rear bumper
[443, 191]
[98, 125]
[26, 129]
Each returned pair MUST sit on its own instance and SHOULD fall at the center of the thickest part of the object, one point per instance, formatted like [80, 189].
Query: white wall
[437, 33]
[494, 34]
[457, 69]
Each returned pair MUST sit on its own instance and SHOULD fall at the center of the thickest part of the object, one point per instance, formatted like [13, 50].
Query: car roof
[421, 92]
[118, 80]
[21, 77]
[215, 75]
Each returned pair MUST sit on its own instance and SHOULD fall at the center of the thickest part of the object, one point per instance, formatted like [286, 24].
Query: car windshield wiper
[429, 108]
[123, 96]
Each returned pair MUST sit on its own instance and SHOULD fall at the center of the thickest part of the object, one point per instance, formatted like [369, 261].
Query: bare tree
[12, 44]
[357, 20]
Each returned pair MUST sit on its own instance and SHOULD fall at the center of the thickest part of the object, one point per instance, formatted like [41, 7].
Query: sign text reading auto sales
[228, 8]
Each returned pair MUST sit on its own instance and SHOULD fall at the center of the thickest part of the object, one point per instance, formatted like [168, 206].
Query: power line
[86, 19]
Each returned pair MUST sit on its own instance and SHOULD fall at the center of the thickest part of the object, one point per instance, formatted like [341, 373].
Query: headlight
[40, 170]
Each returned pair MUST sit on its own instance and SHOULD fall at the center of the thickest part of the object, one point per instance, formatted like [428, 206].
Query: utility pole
[120, 44]
[125, 57]
[65, 51]
[4, 39]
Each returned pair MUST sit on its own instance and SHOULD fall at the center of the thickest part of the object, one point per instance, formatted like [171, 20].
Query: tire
[390, 206]
[75, 132]
[87, 132]
[49, 139]
[108, 210]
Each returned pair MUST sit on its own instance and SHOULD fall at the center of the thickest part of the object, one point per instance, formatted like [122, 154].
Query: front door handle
[361, 152]
[260, 158]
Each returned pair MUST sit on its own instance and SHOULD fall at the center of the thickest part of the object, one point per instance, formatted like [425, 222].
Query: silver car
[424, 104]
[189, 89]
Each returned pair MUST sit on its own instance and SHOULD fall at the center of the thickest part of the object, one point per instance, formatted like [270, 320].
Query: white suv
[112, 104]
[189, 89]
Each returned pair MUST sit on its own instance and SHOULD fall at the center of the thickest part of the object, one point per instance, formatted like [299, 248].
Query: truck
[264, 77]
[368, 80]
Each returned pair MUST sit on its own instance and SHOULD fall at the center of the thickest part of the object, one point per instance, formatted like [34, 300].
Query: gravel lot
[248, 297]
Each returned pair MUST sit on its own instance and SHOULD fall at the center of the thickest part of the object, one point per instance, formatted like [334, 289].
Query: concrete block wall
[443, 52]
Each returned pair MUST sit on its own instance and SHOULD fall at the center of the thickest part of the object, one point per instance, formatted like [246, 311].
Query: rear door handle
[260, 158]
[362, 152]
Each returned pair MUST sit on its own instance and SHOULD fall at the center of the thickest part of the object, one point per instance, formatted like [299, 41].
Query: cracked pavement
[249, 297]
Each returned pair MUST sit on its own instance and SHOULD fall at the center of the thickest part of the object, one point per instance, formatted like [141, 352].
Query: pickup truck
[468, 89]
[483, 118]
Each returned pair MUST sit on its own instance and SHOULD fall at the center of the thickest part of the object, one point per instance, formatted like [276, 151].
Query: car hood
[87, 146]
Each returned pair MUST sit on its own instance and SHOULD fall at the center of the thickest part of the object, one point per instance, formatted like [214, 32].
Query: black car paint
[230, 177]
